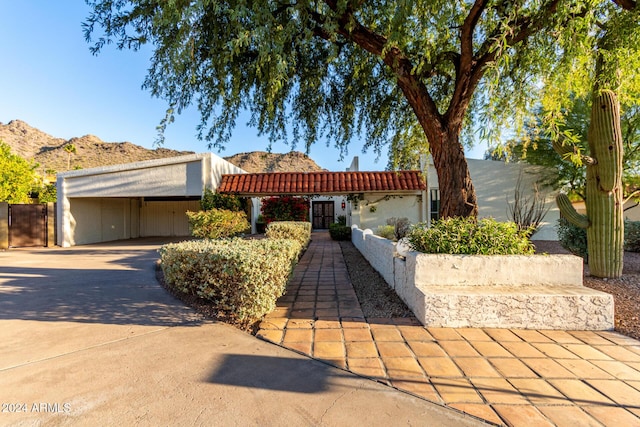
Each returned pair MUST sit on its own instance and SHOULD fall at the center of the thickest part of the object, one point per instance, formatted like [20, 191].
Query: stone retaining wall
[519, 291]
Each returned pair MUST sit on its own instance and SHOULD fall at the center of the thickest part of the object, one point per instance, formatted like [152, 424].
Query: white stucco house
[150, 198]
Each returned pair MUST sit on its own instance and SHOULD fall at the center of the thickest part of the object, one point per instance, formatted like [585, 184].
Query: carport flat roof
[331, 183]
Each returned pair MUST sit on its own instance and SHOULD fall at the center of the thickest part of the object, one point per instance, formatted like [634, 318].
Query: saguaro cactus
[604, 219]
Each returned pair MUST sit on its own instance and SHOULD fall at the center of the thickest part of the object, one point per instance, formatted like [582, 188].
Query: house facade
[364, 198]
[150, 198]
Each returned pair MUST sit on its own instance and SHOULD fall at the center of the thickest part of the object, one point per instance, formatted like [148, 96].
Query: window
[434, 200]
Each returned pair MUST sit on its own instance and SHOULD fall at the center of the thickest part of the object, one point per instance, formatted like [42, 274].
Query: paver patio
[504, 376]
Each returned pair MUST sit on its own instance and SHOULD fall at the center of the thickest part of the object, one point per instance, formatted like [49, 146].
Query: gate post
[51, 224]
[4, 225]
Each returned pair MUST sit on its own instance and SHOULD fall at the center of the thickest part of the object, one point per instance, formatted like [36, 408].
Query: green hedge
[386, 231]
[466, 236]
[339, 231]
[217, 223]
[299, 231]
[632, 236]
[242, 278]
[573, 238]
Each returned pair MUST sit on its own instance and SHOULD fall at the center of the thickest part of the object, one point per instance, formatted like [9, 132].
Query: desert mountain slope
[48, 151]
[261, 161]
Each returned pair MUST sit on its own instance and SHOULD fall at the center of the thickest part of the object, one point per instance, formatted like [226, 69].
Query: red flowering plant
[285, 208]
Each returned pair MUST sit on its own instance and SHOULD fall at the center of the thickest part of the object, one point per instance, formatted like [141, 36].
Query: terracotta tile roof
[301, 183]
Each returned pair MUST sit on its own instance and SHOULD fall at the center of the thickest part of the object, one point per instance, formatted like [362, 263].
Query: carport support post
[4, 225]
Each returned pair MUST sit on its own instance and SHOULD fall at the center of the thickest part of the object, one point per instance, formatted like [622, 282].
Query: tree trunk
[457, 193]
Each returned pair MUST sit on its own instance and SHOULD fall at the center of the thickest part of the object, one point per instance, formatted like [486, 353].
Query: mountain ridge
[90, 151]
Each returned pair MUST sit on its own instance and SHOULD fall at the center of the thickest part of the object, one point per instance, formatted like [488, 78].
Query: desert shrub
[211, 200]
[217, 223]
[241, 278]
[573, 238]
[466, 236]
[285, 208]
[386, 231]
[299, 231]
[339, 231]
[632, 236]
[401, 226]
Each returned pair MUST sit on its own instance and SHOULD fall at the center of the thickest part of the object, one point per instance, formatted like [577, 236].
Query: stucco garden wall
[529, 292]
[374, 210]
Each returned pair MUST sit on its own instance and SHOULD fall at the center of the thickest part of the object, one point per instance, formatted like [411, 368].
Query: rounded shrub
[573, 238]
[470, 237]
[386, 231]
[339, 231]
[299, 231]
[632, 236]
[241, 278]
[217, 223]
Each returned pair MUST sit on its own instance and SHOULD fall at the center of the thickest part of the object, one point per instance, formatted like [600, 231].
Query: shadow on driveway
[112, 284]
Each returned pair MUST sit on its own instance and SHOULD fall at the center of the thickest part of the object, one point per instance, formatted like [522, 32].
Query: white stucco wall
[395, 206]
[101, 220]
[495, 184]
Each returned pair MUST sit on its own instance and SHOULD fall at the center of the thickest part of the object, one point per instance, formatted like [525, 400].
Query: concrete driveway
[88, 337]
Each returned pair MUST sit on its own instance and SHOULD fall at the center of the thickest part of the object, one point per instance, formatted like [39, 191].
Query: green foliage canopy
[399, 72]
[535, 147]
[17, 177]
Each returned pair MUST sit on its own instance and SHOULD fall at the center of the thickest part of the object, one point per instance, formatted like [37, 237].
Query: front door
[322, 214]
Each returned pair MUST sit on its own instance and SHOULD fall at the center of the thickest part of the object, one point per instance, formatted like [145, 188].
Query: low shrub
[339, 231]
[242, 278]
[632, 236]
[299, 231]
[386, 231]
[211, 200]
[466, 236]
[573, 238]
[217, 223]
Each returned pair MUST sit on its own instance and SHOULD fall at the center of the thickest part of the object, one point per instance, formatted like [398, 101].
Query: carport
[141, 199]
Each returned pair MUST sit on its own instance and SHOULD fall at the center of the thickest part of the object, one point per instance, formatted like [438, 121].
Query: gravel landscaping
[376, 298]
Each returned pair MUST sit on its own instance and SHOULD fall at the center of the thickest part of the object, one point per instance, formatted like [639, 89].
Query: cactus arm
[606, 140]
[570, 213]
[563, 151]
[566, 152]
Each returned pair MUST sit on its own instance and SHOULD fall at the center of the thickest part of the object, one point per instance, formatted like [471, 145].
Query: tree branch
[401, 66]
[626, 4]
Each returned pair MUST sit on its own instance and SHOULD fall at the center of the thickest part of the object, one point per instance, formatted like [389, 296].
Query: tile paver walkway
[507, 377]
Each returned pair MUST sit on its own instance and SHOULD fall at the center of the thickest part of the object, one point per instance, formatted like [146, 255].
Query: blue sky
[50, 80]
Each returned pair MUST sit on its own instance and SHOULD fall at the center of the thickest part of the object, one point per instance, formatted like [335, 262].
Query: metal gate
[323, 214]
[27, 225]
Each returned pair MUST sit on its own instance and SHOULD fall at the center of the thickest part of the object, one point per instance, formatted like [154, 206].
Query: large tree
[334, 68]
